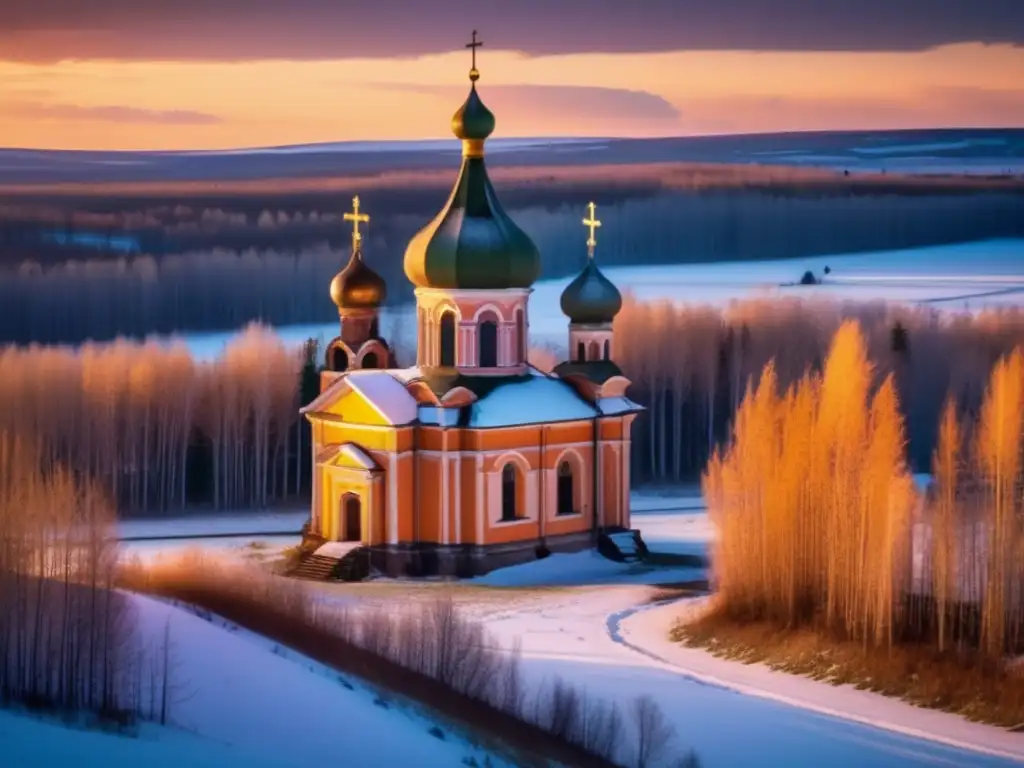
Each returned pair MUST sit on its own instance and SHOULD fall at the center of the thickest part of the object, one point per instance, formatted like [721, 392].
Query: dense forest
[820, 524]
[690, 365]
[158, 429]
[95, 267]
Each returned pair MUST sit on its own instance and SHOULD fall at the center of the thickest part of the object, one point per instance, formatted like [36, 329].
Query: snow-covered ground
[240, 700]
[591, 622]
[968, 276]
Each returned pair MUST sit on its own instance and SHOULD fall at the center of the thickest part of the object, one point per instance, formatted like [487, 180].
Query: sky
[203, 74]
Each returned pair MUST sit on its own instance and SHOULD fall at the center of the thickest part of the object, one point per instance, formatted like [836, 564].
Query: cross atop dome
[474, 73]
[592, 224]
[356, 218]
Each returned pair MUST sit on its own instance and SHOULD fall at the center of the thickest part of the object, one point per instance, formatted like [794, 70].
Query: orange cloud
[193, 105]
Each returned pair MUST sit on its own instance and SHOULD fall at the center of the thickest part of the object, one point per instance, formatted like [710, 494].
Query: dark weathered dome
[591, 298]
[472, 242]
[357, 286]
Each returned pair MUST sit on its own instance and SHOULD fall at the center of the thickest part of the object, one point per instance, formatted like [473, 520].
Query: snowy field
[968, 276]
[591, 621]
[240, 700]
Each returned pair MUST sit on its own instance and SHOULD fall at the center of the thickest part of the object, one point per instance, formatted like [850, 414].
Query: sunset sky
[190, 74]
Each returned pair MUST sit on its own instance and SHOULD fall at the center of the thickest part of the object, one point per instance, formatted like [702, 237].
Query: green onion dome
[591, 298]
[472, 243]
[357, 286]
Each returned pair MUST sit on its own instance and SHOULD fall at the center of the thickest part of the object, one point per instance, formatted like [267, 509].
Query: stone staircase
[333, 561]
[624, 546]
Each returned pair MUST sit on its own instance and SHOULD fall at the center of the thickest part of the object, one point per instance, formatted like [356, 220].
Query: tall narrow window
[447, 334]
[520, 337]
[566, 502]
[508, 493]
[487, 338]
[607, 350]
[595, 351]
[581, 351]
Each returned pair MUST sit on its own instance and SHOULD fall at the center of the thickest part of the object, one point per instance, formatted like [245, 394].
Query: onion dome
[357, 286]
[474, 121]
[472, 243]
[591, 298]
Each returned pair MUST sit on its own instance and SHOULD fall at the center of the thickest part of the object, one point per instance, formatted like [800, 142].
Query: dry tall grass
[68, 640]
[428, 652]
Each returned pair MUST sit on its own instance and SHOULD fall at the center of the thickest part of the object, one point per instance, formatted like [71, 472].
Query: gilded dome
[473, 120]
[591, 298]
[357, 286]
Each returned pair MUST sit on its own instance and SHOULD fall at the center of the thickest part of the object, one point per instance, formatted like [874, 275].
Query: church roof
[591, 298]
[501, 401]
[357, 286]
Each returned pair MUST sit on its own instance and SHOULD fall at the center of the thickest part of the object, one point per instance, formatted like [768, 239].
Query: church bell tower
[472, 265]
[358, 292]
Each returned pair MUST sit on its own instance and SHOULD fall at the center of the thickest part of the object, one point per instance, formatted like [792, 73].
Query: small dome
[357, 286]
[473, 120]
[591, 299]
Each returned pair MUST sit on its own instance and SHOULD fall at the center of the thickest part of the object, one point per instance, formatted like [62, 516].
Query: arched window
[370, 360]
[581, 351]
[607, 350]
[508, 492]
[566, 502]
[595, 351]
[487, 339]
[520, 337]
[447, 334]
[337, 359]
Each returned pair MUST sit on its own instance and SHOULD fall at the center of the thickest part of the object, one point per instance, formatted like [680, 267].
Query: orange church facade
[472, 459]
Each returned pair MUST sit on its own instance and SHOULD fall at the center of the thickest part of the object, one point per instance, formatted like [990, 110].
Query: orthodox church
[472, 459]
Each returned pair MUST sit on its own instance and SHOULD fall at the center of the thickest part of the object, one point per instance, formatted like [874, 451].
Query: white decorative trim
[458, 499]
[479, 475]
[502, 459]
[392, 525]
[445, 511]
[509, 523]
[488, 307]
[472, 294]
[579, 466]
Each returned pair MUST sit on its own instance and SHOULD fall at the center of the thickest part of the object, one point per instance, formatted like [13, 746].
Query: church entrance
[353, 512]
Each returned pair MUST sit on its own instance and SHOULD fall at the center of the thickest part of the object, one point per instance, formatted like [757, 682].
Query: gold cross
[593, 224]
[474, 74]
[356, 217]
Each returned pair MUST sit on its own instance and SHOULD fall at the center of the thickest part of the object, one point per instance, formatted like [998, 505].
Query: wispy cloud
[111, 114]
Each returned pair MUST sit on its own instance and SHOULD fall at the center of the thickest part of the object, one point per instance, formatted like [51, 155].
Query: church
[472, 459]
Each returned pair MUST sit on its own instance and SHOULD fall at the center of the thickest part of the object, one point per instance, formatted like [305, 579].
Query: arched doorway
[370, 360]
[352, 509]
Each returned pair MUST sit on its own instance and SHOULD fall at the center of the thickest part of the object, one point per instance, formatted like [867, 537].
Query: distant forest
[97, 262]
[158, 430]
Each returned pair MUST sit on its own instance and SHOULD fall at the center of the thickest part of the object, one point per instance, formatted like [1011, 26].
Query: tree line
[820, 523]
[219, 268]
[690, 365]
[157, 429]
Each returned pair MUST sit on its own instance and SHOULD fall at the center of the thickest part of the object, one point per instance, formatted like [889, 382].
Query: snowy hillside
[240, 700]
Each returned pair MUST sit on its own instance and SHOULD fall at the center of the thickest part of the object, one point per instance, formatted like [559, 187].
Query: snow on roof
[534, 400]
[405, 375]
[386, 393]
